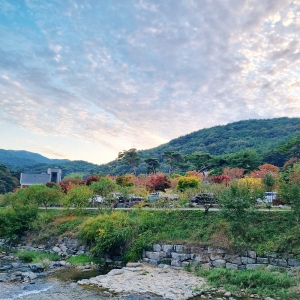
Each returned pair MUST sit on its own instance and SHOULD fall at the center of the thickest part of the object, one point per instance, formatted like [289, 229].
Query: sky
[86, 79]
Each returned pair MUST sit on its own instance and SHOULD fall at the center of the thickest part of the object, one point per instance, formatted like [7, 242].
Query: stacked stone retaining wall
[209, 257]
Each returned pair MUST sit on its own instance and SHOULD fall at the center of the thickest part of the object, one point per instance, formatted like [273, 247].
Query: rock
[227, 294]
[219, 263]
[137, 269]
[232, 266]
[133, 265]
[157, 248]
[254, 266]
[116, 272]
[294, 262]
[56, 249]
[36, 267]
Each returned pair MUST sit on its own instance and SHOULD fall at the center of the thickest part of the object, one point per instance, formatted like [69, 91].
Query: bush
[14, 222]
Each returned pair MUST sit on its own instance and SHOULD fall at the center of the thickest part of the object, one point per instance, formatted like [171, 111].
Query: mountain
[263, 136]
[13, 158]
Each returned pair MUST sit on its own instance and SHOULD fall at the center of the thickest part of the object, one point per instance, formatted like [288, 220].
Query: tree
[47, 196]
[269, 182]
[103, 187]
[130, 158]
[289, 190]
[79, 196]
[174, 159]
[153, 164]
[233, 173]
[158, 182]
[124, 180]
[247, 159]
[291, 148]
[199, 160]
[188, 182]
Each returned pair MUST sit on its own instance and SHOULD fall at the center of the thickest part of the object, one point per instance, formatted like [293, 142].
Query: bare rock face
[169, 283]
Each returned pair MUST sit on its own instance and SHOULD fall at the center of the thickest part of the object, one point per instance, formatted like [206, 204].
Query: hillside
[263, 136]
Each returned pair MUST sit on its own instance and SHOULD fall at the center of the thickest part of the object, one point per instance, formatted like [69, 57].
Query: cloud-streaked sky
[85, 79]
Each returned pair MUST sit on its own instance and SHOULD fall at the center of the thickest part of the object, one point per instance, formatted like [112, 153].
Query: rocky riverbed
[137, 281]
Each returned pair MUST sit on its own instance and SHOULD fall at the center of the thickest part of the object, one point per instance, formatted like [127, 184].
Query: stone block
[175, 263]
[215, 256]
[242, 267]
[153, 262]
[234, 259]
[153, 255]
[232, 266]
[157, 248]
[180, 257]
[294, 262]
[254, 266]
[251, 254]
[168, 248]
[185, 263]
[219, 263]
[179, 248]
[221, 251]
[200, 258]
[278, 262]
[248, 260]
[146, 260]
[262, 260]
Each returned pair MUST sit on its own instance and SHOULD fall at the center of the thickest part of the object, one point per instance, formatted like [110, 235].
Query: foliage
[74, 175]
[233, 173]
[124, 180]
[174, 159]
[83, 259]
[269, 182]
[47, 196]
[14, 222]
[90, 180]
[7, 181]
[292, 147]
[221, 179]
[130, 158]
[188, 182]
[238, 203]
[153, 164]
[79, 196]
[158, 182]
[265, 283]
[103, 187]
[36, 256]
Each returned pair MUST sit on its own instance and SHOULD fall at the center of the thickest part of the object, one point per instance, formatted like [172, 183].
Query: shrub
[189, 182]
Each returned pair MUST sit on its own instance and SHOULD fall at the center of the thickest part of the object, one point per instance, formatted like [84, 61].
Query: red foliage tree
[158, 182]
[89, 180]
[221, 179]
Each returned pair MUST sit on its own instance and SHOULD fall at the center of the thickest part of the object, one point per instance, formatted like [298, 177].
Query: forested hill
[263, 136]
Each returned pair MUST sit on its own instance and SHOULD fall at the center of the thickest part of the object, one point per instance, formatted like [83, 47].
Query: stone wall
[64, 247]
[208, 257]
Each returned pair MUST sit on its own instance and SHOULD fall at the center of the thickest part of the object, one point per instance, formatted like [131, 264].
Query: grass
[36, 256]
[265, 283]
[82, 259]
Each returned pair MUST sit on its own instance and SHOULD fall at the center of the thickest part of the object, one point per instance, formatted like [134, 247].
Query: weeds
[36, 256]
[262, 282]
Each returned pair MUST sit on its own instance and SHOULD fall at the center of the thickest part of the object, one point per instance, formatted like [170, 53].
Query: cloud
[135, 73]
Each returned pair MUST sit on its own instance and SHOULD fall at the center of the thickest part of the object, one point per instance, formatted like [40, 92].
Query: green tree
[153, 164]
[103, 187]
[79, 196]
[47, 196]
[130, 158]
[269, 182]
[291, 148]
[174, 159]
[238, 206]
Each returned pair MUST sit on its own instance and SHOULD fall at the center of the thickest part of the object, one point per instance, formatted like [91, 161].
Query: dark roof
[29, 179]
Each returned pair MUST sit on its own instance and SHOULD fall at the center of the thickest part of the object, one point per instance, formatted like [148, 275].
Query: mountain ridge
[261, 135]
